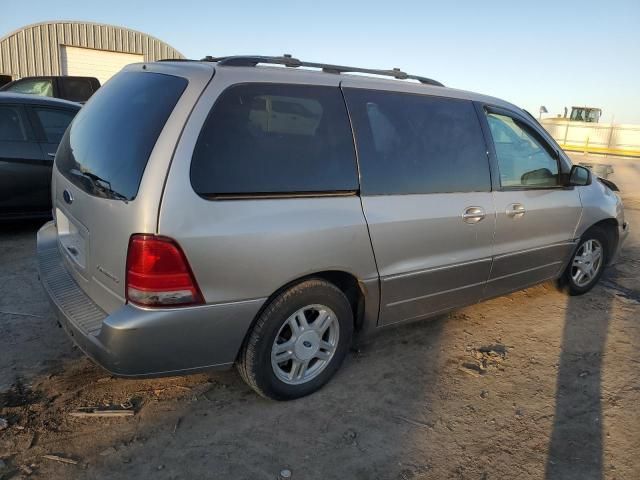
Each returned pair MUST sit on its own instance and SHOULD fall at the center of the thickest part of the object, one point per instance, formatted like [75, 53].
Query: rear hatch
[111, 167]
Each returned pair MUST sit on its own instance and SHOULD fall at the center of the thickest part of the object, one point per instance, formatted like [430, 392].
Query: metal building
[76, 48]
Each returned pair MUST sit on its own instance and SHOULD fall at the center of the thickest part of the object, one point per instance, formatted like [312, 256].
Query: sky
[554, 53]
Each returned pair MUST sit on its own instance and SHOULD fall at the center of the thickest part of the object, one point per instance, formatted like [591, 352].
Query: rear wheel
[587, 262]
[298, 342]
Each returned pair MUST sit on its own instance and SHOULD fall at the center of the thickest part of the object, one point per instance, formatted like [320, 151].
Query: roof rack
[289, 61]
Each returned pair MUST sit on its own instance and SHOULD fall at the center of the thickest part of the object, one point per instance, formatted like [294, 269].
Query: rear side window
[77, 89]
[412, 144]
[12, 126]
[272, 139]
[54, 122]
[113, 135]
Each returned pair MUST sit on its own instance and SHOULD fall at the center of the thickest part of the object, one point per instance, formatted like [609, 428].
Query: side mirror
[579, 176]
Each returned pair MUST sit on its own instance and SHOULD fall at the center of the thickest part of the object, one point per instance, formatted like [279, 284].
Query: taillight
[158, 273]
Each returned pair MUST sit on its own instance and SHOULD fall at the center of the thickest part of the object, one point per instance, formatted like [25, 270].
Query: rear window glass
[77, 89]
[413, 144]
[269, 138]
[112, 136]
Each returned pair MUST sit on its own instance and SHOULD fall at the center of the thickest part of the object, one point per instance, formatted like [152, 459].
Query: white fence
[595, 137]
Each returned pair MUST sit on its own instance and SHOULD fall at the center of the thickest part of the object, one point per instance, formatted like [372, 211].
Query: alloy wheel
[586, 262]
[305, 344]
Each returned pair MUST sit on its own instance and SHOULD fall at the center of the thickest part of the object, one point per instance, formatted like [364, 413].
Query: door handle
[51, 154]
[516, 210]
[473, 215]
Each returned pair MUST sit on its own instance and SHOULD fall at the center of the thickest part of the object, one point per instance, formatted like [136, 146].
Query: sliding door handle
[473, 215]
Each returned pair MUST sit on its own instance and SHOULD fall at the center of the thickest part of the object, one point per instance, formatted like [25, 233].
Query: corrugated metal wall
[594, 137]
[35, 49]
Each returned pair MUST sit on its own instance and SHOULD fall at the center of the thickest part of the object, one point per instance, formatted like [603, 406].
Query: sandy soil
[532, 385]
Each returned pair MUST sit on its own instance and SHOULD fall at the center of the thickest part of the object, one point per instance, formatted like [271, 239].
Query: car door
[425, 191]
[49, 123]
[20, 162]
[536, 216]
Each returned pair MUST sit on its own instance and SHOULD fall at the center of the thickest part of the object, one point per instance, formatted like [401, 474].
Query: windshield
[112, 137]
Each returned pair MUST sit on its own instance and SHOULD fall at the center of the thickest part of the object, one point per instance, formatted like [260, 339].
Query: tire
[572, 282]
[275, 360]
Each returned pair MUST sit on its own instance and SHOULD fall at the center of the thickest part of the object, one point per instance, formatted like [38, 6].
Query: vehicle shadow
[576, 447]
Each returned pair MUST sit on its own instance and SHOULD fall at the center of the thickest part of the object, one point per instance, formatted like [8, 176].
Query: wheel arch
[610, 226]
[347, 282]
[353, 288]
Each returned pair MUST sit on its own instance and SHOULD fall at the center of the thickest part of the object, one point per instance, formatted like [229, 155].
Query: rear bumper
[137, 342]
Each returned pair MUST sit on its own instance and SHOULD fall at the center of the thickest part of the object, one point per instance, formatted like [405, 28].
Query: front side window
[12, 127]
[417, 144]
[34, 86]
[54, 122]
[523, 161]
[273, 139]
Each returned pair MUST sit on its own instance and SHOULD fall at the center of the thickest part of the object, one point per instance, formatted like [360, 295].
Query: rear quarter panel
[248, 249]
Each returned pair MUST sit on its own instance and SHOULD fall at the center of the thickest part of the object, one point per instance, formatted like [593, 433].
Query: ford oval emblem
[67, 197]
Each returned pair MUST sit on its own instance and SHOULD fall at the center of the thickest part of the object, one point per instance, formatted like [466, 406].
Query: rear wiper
[100, 184]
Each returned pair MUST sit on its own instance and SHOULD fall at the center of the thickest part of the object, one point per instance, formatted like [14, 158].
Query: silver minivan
[261, 211]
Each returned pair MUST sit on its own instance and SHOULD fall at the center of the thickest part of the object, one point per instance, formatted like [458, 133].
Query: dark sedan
[31, 128]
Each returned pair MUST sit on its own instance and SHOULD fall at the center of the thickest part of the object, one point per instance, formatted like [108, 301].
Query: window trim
[213, 197]
[483, 109]
[278, 195]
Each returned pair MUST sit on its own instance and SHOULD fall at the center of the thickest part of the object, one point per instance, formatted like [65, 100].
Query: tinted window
[266, 138]
[113, 135]
[522, 158]
[12, 127]
[34, 86]
[77, 89]
[54, 122]
[417, 144]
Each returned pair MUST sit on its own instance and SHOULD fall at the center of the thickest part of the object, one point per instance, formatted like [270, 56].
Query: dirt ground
[532, 385]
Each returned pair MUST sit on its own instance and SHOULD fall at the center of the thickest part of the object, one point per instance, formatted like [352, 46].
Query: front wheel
[587, 262]
[298, 342]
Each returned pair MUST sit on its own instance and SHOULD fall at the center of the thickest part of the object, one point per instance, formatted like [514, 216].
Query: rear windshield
[108, 145]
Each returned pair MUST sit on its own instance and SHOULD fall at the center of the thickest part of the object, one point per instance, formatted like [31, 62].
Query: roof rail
[289, 61]
[175, 60]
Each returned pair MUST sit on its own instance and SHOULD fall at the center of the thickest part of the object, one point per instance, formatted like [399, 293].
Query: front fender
[601, 203]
